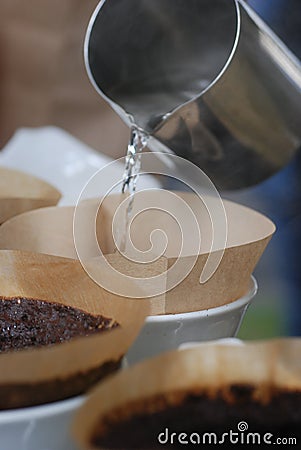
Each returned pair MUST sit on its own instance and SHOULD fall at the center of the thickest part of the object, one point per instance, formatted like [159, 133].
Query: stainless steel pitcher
[206, 79]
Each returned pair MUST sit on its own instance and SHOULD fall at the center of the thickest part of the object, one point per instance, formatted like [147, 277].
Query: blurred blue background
[276, 310]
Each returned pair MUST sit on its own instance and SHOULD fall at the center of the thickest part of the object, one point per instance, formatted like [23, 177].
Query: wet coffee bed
[28, 322]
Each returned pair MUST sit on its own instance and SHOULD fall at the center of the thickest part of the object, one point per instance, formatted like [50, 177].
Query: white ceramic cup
[167, 332]
[45, 427]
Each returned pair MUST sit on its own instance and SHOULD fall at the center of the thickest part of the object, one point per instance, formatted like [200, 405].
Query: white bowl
[167, 332]
[45, 427]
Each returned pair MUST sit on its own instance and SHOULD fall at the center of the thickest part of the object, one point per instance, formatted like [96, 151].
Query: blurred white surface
[57, 157]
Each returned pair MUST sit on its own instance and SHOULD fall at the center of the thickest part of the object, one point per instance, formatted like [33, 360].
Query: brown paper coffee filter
[50, 230]
[46, 230]
[210, 369]
[62, 280]
[20, 192]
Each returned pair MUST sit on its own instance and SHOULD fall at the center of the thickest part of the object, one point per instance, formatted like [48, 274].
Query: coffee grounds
[34, 323]
[160, 425]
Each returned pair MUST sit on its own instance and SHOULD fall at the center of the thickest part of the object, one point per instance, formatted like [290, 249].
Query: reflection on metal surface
[289, 64]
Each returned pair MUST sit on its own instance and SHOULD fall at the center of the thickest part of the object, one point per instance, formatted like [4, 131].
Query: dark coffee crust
[24, 395]
[32, 323]
[26, 323]
[138, 425]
